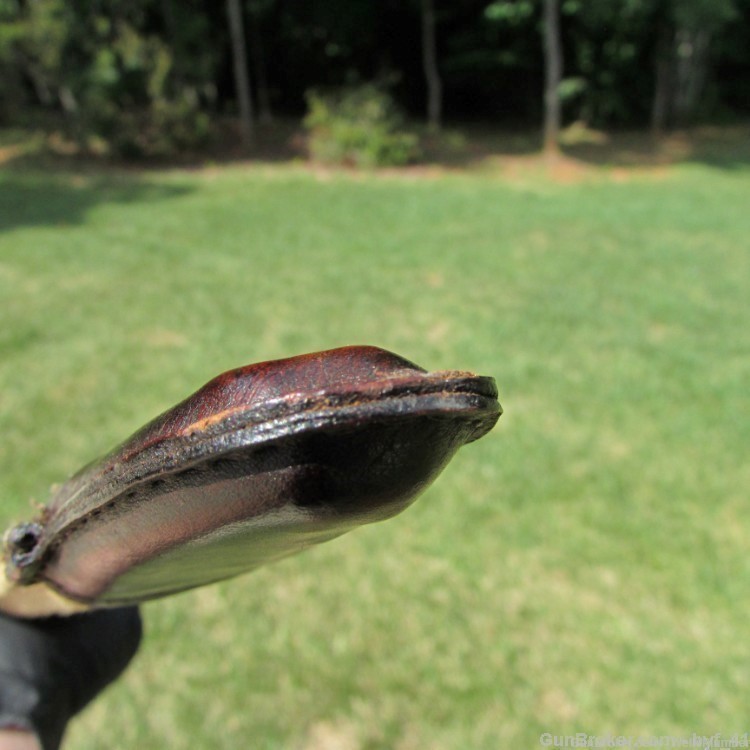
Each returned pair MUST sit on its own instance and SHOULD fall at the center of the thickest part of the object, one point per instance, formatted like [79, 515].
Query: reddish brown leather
[260, 463]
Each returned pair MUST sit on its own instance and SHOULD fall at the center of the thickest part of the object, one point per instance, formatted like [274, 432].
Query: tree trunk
[429, 64]
[170, 24]
[241, 73]
[692, 65]
[553, 67]
[681, 72]
[259, 70]
[663, 83]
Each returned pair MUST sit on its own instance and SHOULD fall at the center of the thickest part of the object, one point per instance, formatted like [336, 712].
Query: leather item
[260, 463]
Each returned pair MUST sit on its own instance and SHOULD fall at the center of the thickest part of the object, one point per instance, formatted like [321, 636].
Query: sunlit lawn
[583, 568]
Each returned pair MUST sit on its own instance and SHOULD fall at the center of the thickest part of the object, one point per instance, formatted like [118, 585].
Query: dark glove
[51, 668]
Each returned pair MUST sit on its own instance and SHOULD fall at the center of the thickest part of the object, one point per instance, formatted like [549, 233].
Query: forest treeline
[155, 75]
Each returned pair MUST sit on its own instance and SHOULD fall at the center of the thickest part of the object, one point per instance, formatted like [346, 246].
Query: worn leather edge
[36, 600]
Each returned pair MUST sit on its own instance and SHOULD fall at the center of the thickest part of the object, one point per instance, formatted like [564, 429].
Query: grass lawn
[584, 568]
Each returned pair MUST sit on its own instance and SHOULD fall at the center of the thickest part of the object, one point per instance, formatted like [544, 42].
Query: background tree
[553, 69]
[430, 65]
[686, 33]
[241, 71]
[258, 9]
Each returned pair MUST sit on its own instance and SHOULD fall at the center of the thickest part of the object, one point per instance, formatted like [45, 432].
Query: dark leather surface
[260, 463]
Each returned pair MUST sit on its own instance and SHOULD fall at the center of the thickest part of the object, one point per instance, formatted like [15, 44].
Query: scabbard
[261, 463]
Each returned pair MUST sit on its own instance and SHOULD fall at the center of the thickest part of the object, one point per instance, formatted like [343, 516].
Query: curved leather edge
[36, 600]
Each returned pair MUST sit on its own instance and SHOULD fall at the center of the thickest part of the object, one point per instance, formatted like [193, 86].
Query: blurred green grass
[583, 568]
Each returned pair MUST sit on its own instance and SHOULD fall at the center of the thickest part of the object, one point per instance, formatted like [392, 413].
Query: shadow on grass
[62, 199]
[69, 184]
[37, 189]
[473, 146]
[720, 147]
[470, 146]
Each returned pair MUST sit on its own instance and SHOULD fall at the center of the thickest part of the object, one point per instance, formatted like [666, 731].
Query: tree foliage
[115, 73]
